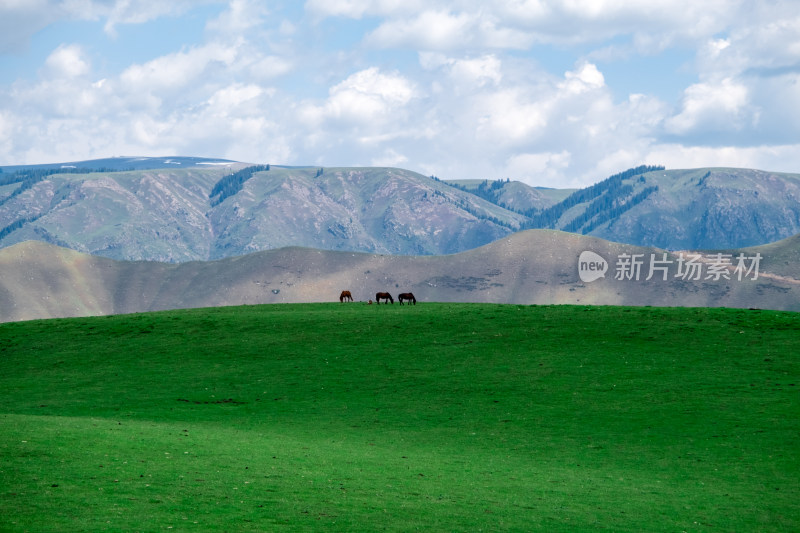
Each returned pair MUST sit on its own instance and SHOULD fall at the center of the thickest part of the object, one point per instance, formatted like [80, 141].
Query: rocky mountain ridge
[672, 209]
[167, 210]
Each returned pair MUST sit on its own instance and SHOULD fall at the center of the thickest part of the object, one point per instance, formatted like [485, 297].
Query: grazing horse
[408, 297]
[345, 296]
[383, 296]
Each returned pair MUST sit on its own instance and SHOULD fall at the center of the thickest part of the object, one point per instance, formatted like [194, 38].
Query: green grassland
[435, 417]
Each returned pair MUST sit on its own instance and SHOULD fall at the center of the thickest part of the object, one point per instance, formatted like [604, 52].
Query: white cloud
[712, 106]
[445, 30]
[389, 158]
[235, 96]
[67, 61]
[777, 158]
[531, 125]
[118, 12]
[178, 70]
[269, 67]
[240, 16]
[366, 97]
[477, 71]
[465, 74]
[769, 39]
[148, 132]
[287, 28]
[537, 168]
[434, 24]
[484, 100]
[21, 19]
[64, 90]
[641, 115]
[360, 8]
[5, 132]
[585, 78]
[509, 116]
[430, 30]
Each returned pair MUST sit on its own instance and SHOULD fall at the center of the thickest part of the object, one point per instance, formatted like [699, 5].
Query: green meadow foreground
[435, 417]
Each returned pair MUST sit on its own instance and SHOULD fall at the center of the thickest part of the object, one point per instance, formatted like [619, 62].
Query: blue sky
[553, 93]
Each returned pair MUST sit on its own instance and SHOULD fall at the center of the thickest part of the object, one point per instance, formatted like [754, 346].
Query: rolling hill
[529, 267]
[441, 417]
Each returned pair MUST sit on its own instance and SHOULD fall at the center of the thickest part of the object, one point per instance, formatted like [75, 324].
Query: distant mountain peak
[178, 209]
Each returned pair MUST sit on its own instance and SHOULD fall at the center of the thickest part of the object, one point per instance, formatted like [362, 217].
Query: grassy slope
[784, 256]
[520, 196]
[439, 416]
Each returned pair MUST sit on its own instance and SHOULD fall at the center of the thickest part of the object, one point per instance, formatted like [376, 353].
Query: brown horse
[345, 296]
[383, 296]
[408, 297]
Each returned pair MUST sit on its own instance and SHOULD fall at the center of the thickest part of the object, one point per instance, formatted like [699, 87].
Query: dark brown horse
[383, 296]
[345, 296]
[408, 297]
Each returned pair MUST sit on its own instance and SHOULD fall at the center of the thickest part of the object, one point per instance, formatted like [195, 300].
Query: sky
[551, 93]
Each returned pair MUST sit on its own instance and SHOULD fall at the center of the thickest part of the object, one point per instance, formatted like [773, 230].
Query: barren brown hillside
[531, 267]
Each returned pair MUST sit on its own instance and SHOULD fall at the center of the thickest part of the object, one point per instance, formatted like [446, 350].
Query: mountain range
[176, 210]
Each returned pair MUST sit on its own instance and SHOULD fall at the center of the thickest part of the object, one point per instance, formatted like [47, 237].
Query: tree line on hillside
[608, 207]
[29, 177]
[464, 205]
[488, 190]
[606, 200]
[611, 186]
[233, 183]
[17, 224]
